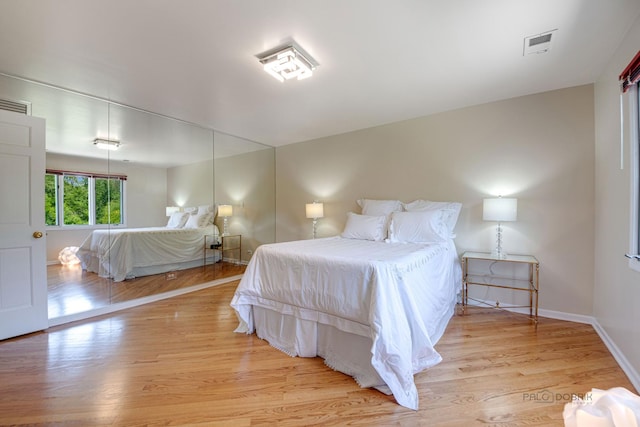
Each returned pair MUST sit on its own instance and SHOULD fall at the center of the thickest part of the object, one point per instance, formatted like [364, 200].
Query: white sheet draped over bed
[399, 295]
[118, 253]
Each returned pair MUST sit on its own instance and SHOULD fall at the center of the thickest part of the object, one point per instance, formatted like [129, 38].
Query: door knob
[37, 234]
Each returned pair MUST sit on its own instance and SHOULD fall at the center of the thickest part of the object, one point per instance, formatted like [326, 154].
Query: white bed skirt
[92, 265]
[160, 269]
[345, 352]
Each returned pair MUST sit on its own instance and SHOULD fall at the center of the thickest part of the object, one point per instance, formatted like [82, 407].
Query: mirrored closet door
[161, 165]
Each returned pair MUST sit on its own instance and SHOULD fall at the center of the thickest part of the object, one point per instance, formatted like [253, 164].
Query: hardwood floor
[72, 290]
[178, 362]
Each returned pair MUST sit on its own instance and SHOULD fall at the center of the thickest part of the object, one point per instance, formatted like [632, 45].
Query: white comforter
[400, 295]
[116, 253]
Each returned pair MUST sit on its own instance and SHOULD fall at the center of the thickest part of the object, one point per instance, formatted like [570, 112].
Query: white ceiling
[380, 61]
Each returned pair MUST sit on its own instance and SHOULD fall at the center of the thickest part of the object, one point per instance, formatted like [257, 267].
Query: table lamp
[225, 211]
[314, 210]
[501, 210]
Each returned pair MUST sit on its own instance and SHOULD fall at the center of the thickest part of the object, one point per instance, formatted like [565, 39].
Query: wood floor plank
[178, 362]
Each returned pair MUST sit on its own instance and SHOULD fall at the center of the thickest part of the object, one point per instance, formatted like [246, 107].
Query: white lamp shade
[500, 209]
[315, 210]
[170, 210]
[225, 210]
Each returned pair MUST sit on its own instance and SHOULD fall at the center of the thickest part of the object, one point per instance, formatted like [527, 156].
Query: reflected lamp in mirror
[67, 256]
[314, 211]
[225, 211]
[499, 209]
[106, 144]
[170, 210]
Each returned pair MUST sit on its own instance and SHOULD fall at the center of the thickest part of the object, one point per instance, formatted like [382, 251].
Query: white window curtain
[629, 79]
[634, 145]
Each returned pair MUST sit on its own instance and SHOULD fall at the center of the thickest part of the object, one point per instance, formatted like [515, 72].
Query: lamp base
[225, 227]
[498, 254]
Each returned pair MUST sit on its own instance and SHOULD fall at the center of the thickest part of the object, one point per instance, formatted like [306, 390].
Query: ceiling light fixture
[106, 144]
[288, 62]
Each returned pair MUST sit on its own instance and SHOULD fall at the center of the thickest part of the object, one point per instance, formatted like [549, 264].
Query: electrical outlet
[171, 275]
[249, 251]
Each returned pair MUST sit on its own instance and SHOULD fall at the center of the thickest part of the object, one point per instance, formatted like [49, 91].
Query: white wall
[246, 182]
[616, 287]
[538, 148]
[191, 185]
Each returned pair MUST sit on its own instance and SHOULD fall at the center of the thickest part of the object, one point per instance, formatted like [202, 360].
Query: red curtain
[91, 174]
[631, 74]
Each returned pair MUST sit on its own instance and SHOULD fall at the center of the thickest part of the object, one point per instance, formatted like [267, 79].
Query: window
[77, 199]
[51, 199]
[108, 200]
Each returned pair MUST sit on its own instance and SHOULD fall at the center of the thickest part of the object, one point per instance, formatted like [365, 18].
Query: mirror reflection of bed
[113, 266]
[242, 174]
[246, 166]
[243, 178]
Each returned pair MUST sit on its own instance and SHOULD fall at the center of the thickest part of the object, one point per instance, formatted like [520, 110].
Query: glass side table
[533, 281]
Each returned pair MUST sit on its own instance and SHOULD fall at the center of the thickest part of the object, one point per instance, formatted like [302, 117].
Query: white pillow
[177, 220]
[365, 227]
[198, 220]
[379, 207]
[205, 209]
[418, 227]
[451, 210]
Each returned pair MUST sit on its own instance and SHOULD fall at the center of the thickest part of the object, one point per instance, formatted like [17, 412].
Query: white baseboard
[628, 369]
[569, 317]
[623, 362]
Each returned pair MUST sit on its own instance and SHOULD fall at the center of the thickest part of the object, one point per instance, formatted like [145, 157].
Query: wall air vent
[21, 107]
[539, 43]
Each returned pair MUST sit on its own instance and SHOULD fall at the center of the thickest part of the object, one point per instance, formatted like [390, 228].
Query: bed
[127, 253]
[372, 302]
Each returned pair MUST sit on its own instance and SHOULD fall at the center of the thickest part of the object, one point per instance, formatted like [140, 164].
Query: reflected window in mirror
[88, 199]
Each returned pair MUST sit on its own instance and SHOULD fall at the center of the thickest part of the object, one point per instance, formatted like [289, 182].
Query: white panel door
[23, 278]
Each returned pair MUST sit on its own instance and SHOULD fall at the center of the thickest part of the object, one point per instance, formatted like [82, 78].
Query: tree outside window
[76, 200]
[50, 199]
[108, 200]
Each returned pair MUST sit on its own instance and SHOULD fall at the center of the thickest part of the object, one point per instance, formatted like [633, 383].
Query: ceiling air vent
[15, 106]
[539, 43]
